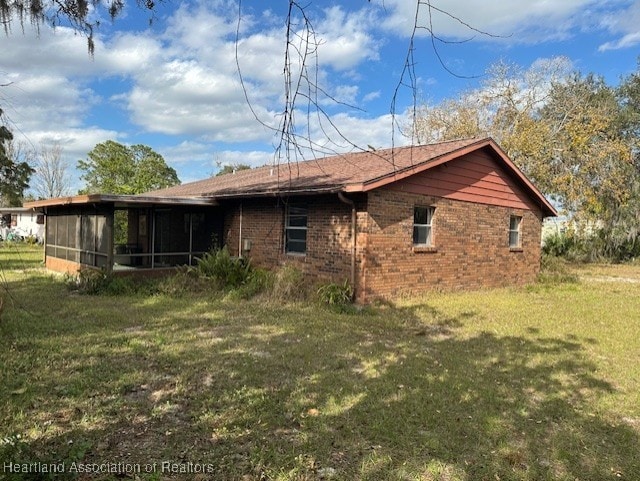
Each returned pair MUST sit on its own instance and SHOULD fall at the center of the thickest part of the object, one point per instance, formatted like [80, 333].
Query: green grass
[20, 256]
[540, 383]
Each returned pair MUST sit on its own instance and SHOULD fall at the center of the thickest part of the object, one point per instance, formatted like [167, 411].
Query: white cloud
[181, 103]
[527, 22]
[41, 101]
[199, 160]
[360, 132]
[345, 94]
[75, 142]
[254, 158]
[47, 51]
[627, 41]
[193, 30]
[626, 23]
[195, 89]
[371, 96]
[182, 82]
[62, 51]
[128, 54]
[187, 151]
[344, 38]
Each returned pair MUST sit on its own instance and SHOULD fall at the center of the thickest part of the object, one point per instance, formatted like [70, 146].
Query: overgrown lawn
[539, 383]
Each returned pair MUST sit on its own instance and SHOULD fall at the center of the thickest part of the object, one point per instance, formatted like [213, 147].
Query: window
[296, 230]
[515, 222]
[422, 226]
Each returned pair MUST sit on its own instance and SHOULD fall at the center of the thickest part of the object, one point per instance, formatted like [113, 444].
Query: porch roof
[121, 201]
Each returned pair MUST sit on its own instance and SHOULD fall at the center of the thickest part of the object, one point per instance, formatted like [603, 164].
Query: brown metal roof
[352, 172]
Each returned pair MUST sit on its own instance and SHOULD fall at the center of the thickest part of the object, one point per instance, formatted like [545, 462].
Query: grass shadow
[261, 391]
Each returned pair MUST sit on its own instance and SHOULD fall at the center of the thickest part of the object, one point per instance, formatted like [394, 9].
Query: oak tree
[113, 168]
[560, 128]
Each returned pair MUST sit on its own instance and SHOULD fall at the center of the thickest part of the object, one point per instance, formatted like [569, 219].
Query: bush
[596, 246]
[119, 286]
[288, 284]
[220, 265]
[335, 294]
[88, 281]
[94, 282]
[31, 240]
[554, 270]
[559, 244]
[258, 281]
[338, 297]
[186, 280]
[216, 271]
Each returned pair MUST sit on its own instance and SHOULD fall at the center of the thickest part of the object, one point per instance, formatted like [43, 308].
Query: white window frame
[515, 233]
[430, 211]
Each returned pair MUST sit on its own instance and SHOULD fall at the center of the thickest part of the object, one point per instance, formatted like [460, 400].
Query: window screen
[515, 222]
[296, 230]
[422, 225]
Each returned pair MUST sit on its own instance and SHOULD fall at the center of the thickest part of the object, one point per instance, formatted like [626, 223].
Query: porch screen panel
[102, 240]
[61, 237]
[72, 231]
[87, 239]
[73, 221]
[205, 231]
[172, 232]
[50, 251]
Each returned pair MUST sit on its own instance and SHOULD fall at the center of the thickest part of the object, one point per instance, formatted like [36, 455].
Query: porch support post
[190, 237]
[110, 241]
[153, 237]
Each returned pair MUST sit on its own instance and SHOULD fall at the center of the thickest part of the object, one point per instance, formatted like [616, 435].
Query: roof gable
[475, 177]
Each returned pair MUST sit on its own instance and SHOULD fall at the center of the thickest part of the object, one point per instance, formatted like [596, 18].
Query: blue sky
[174, 85]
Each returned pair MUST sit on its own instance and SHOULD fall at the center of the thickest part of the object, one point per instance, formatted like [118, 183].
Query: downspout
[350, 202]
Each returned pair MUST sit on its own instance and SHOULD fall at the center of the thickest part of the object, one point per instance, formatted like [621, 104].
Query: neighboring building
[22, 221]
[452, 215]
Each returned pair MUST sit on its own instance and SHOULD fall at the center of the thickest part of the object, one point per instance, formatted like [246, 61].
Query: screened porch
[127, 233]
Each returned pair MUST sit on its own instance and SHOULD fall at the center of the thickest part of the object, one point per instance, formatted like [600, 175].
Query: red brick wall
[471, 248]
[261, 224]
[328, 253]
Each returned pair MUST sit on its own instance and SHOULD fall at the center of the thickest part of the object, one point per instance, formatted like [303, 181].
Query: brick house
[452, 215]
